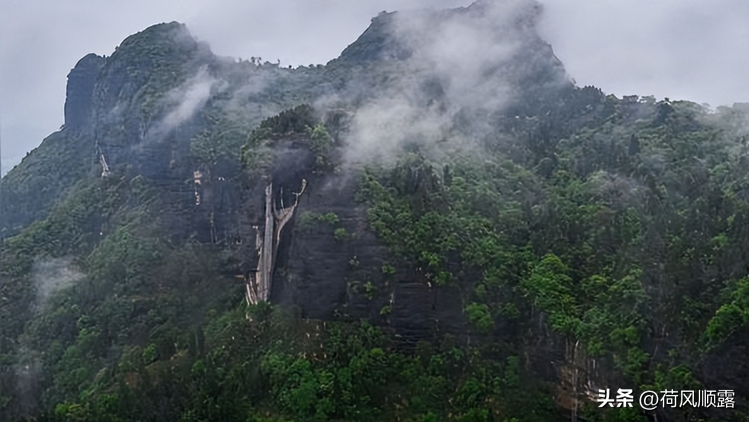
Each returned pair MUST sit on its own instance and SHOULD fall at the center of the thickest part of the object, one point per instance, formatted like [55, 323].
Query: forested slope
[478, 239]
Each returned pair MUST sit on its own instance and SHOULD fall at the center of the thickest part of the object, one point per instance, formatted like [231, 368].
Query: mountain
[436, 225]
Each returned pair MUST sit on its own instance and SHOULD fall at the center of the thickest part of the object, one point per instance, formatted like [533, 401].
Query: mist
[191, 96]
[460, 66]
[52, 275]
[687, 51]
[184, 101]
[49, 276]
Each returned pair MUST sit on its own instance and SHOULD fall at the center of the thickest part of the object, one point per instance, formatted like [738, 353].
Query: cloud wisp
[52, 275]
[184, 101]
[457, 65]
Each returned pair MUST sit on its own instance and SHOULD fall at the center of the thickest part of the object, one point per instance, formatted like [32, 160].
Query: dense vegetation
[571, 248]
[628, 240]
[576, 240]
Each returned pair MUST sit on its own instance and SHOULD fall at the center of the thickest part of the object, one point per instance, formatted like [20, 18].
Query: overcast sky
[682, 49]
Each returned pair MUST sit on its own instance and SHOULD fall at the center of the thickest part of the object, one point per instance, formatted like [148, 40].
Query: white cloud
[682, 49]
[52, 275]
[187, 98]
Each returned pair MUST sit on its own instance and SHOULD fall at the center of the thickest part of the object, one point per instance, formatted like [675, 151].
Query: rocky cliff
[447, 183]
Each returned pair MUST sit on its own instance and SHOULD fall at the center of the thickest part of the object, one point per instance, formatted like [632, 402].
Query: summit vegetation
[453, 257]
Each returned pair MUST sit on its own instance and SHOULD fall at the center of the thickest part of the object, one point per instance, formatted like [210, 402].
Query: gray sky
[682, 49]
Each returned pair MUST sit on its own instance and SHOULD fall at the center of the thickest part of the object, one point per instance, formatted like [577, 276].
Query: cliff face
[80, 91]
[143, 106]
[458, 190]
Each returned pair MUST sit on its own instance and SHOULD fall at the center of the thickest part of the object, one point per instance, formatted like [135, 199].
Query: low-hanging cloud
[49, 276]
[189, 97]
[667, 48]
[457, 66]
[185, 100]
[52, 275]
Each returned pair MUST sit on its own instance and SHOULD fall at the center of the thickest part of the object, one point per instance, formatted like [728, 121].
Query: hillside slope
[472, 236]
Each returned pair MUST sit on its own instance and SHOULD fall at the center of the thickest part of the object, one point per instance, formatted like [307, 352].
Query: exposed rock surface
[164, 109]
[80, 90]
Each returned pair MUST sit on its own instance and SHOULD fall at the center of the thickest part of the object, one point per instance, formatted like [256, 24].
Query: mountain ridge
[142, 62]
[472, 235]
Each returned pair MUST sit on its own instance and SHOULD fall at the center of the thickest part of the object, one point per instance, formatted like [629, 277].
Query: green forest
[581, 242]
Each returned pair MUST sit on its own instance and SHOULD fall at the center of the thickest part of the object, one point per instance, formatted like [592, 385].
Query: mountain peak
[397, 35]
[161, 41]
[172, 31]
[493, 45]
[81, 83]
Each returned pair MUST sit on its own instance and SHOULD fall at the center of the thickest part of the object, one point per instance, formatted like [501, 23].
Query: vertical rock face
[80, 90]
[164, 114]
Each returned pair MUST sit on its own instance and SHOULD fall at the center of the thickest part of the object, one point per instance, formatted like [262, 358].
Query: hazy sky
[682, 49]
